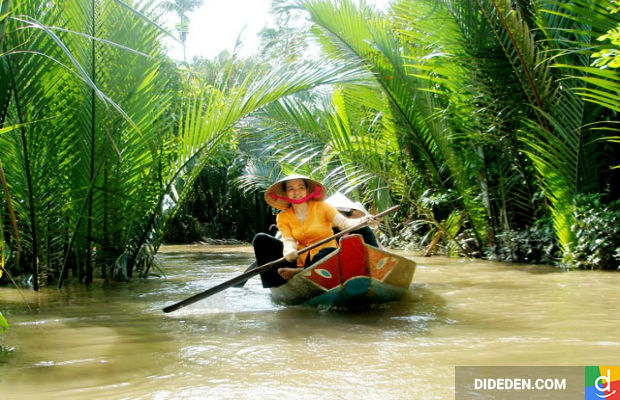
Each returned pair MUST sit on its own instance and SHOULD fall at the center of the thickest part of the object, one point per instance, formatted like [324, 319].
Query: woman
[305, 219]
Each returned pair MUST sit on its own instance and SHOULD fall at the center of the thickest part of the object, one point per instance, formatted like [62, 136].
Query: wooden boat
[354, 274]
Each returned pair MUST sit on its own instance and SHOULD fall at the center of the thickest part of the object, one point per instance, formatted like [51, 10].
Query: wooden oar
[251, 267]
[248, 274]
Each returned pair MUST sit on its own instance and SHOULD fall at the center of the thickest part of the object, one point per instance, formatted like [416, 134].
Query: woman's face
[296, 189]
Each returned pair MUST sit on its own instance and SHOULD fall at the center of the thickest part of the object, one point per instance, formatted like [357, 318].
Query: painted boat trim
[360, 290]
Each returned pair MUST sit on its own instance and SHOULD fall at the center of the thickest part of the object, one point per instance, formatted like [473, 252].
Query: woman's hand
[289, 249]
[373, 222]
[291, 255]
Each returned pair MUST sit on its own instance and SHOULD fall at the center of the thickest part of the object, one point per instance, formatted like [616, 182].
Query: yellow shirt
[316, 227]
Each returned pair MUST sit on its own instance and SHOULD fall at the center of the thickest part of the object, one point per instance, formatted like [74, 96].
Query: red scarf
[314, 195]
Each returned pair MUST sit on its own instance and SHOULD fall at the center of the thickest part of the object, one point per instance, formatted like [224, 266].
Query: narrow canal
[112, 341]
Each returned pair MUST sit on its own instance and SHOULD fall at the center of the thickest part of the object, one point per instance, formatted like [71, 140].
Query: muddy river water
[112, 341]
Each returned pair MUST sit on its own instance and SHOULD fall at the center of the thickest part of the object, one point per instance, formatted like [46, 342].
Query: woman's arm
[342, 222]
[290, 249]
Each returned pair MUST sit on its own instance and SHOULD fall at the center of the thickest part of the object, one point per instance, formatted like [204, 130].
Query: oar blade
[251, 267]
[222, 286]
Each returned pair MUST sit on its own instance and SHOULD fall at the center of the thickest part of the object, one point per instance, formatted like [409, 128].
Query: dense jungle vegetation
[492, 122]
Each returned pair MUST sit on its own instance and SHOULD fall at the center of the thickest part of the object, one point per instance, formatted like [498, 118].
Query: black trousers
[267, 248]
[367, 234]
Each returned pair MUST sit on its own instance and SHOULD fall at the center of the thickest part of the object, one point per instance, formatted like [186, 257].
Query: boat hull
[355, 274]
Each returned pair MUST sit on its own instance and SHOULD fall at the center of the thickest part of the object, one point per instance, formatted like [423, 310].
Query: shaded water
[113, 342]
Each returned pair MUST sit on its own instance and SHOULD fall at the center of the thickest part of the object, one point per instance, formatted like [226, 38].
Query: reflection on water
[111, 341]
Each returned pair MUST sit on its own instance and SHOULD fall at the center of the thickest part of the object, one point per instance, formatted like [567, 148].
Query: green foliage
[110, 137]
[182, 8]
[482, 110]
[4, 351]
[535, 245]
[609, 57]
[83, 158]
[380, 139]
[597, 232]
[286, 41]
[218, 208]
[4, 325]
[484, 130]
[486, 112]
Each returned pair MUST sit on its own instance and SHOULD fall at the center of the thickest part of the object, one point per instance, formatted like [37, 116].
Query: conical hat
[278, 190]
[343, 203]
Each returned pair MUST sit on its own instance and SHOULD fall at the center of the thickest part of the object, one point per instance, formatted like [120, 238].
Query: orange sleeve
[328, 210]
[283, 225]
